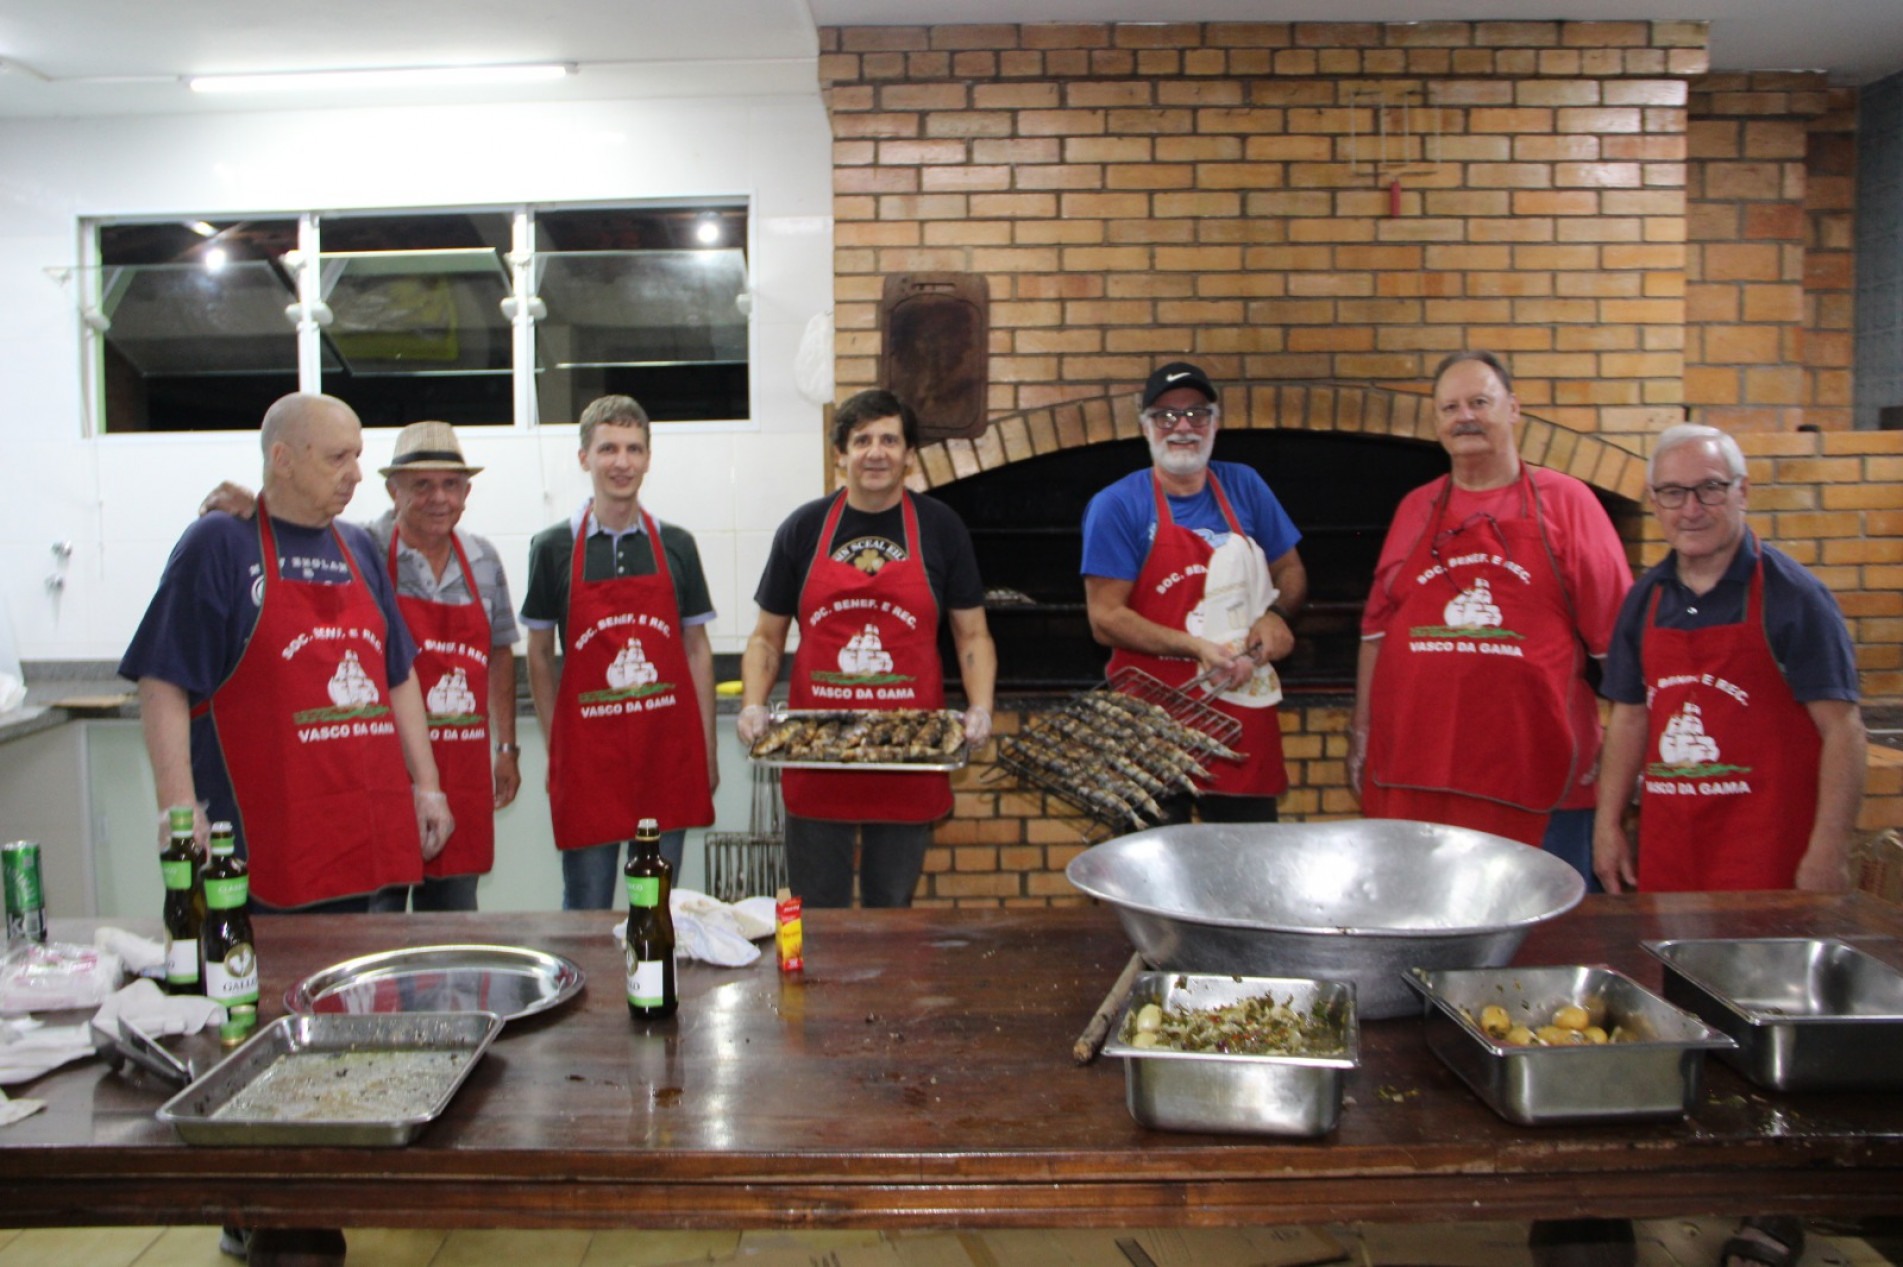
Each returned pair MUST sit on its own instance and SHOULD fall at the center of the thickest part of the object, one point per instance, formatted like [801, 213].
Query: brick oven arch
[1353, 409]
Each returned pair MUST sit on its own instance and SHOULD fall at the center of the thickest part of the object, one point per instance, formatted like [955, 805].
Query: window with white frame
[482, 317]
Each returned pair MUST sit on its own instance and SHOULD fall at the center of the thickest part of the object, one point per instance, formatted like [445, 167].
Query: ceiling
[107, 57]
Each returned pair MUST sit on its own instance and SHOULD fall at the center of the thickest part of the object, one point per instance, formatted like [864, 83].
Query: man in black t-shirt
[870, 573]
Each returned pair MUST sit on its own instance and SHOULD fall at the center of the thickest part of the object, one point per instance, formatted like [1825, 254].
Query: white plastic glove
[977, 726]
[434, 822]
[753, 723]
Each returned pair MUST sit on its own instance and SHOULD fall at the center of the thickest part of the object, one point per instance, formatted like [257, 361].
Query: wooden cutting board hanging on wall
[934, 330]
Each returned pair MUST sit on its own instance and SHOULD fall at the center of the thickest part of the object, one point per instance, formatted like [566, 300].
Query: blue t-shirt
[1120, 521]
[195, 630]
[1806, 631]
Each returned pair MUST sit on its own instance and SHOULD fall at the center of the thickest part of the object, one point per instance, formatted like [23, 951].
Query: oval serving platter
[511, 981]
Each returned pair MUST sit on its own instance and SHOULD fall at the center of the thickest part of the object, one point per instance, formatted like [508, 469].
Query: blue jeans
[819, 861]
[1569, 838]
[591, 877]
[447, 893]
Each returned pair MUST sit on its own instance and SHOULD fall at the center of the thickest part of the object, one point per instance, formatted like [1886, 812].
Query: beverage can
[26, 899]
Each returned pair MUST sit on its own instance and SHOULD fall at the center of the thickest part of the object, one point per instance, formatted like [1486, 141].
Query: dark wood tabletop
[918, 1073]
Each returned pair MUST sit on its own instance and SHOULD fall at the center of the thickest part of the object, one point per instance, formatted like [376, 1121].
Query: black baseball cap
[1177, 374]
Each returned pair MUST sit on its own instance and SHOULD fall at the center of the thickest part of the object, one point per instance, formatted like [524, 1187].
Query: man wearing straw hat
[454, 598]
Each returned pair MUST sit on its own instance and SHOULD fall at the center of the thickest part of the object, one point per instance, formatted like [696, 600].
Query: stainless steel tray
[956, 761]
[1213, 1091]
[1807, 1015]
[322, 1081]
[1655, 1077]
[511, 981]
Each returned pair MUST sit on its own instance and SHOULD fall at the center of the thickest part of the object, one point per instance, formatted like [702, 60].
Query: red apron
[452, 669]
[867, 640]
[306, 732]
[626, 742]
[1478, 683]
[1167, 590]
[1730, 784]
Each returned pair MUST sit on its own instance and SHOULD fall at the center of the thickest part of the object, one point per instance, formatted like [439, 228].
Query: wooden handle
[1085, 1049]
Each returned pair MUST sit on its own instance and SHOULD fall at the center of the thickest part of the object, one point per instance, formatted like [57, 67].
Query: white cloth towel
[140, 955]
[712, 931]
[156, 1012]
[29, 1048]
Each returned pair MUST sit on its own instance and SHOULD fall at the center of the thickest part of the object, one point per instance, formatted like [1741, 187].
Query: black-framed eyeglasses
[1198, 419]
[1709, 493]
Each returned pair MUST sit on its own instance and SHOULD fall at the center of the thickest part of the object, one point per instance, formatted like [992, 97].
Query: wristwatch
[508, 749]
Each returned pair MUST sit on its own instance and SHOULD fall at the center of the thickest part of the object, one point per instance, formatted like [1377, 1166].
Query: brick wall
[1636, 235]
[1224, 190]
[1769, 284]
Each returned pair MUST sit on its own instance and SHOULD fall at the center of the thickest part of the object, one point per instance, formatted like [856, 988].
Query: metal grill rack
[750, 863]
[1209, 732]
[1217, 726]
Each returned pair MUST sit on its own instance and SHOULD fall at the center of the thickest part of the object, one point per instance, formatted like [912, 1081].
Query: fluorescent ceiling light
[403, 77]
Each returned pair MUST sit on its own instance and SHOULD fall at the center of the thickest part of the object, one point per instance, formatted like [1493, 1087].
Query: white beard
[1181, 459]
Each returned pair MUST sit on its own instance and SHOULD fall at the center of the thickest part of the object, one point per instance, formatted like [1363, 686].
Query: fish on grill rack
[896, 737]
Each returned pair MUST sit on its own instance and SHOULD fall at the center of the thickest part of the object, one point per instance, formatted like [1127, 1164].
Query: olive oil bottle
[231, 960]
[651, 990]
[182, 866]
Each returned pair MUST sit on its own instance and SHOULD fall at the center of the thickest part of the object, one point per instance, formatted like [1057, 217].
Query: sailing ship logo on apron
[630, 675]
[1472, 613]
[451, 703]
[864, 661]
[1689, 762]
[353, 696]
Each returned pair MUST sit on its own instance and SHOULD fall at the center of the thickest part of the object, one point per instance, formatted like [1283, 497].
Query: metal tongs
[135, 1046]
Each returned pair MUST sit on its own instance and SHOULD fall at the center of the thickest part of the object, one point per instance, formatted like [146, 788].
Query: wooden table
[918, 1074]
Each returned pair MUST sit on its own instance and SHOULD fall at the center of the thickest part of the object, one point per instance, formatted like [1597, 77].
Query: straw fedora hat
[428, 446]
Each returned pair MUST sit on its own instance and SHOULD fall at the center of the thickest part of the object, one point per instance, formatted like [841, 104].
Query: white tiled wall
[122, 500]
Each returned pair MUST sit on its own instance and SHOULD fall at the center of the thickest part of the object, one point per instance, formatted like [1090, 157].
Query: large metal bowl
[1359, 901]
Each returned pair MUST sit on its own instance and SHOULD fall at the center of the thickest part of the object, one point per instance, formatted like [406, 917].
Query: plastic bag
[57, 976]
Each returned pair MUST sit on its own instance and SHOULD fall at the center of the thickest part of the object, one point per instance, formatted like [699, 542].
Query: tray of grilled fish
[1114, 755]
[909, 739]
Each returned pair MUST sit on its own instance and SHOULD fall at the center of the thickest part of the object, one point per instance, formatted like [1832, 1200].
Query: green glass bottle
[651, 990]
[182, 867]
[231, 959]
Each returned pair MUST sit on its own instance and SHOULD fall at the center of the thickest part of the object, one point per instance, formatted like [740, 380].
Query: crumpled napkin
[156, 1012]
[56, 976]
[140, 955]
[712, 931]
[12, 1111]
[29, 1048]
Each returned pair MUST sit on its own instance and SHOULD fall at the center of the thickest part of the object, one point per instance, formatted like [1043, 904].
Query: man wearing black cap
[1190, 569]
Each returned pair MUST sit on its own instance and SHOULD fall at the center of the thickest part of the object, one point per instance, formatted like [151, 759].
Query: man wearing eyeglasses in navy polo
[1190, 569]
[1734, 700]
[1494, 586]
